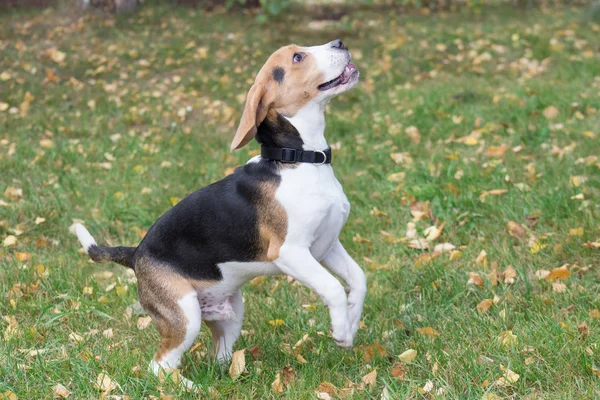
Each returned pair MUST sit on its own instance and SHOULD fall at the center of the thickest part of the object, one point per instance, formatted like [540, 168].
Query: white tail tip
[84, 237]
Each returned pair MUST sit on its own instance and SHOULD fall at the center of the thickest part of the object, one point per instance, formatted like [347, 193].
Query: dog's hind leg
[175, 310]
[225, 332]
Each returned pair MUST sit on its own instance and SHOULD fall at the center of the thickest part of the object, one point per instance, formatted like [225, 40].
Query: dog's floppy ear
[258, 102]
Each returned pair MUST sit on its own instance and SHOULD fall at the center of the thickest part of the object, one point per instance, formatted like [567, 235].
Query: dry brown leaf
[401, 158]
[413, 133]
[433, 232]
[596, 371]
[238, 364]
[300, 359]
[8, 396]
[23, 257]
[408, 356]
[143, 322]
[595, 313]
[515, 229]
[60, 391]
[576, 232]
[592, 245]
[509, 275]
[511, 376]
[277, 385]
[328, 388]
[559, 273]
[443, 248]
[13, 193]
[104, 383]
[46, 143]
[372, 351]
[420, 244]
[428, 331]
[559, 287]
[398, 370]
[481, 258]
[370, 378]
[484, 305]
[428, 387]
[475, 279]
[396, 177]
[551, 112]
[255, 352]
[75, 337]
[507, 338]
[496, 151]
[289, 375]
[541, 274]
[583, 328]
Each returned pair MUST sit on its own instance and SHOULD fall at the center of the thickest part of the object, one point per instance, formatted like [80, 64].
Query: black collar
[288, 155]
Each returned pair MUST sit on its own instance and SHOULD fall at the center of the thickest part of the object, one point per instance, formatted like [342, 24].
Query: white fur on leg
[191, 309]
[84, 237]
[340, 263]
[299, 263]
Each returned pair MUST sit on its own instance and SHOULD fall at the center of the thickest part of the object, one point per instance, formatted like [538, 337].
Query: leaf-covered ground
[474, 137]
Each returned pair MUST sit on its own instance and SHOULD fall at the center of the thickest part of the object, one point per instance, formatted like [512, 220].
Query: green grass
[115, 102]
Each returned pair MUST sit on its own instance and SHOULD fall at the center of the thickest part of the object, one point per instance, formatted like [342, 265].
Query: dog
[281, 213]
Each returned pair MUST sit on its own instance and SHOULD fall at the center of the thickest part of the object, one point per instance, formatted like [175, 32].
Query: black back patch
[213, 225]
[278, 74]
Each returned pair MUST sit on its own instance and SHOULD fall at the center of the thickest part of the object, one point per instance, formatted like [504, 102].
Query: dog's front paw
[344, 340]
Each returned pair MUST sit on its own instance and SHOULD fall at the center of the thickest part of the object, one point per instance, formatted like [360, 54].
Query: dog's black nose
[338, 44]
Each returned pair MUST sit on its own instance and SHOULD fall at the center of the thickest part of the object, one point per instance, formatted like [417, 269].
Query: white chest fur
[317, 210]
[316, 206]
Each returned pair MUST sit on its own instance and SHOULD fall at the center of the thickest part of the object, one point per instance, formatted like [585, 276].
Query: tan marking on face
[272, 223]
[287, 95]
[300, 82]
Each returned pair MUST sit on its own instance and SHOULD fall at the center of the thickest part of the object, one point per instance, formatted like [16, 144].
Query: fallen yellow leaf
[408, 356]
[10, 240]
[559, 273]
[238, 364]
[507, 338]
[428, 331]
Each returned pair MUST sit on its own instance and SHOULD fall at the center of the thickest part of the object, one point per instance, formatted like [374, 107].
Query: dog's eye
[298, 57]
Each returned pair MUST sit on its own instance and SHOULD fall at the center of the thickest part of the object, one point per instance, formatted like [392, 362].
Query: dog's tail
[120, 255]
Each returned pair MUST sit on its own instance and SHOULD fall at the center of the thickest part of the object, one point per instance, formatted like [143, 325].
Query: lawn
[484, 126]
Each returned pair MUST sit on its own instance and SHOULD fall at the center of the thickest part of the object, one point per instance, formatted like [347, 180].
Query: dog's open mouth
[344, 78]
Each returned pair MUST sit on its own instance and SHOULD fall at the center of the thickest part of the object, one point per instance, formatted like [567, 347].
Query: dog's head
[291, 78]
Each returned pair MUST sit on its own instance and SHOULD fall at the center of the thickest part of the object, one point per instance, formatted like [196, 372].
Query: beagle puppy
[281, 213]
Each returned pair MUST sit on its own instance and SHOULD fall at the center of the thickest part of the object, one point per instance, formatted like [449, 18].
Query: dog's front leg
[338, 261]
[299, 263]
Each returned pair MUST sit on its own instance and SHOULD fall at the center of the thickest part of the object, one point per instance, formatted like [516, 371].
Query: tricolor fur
[266, 218]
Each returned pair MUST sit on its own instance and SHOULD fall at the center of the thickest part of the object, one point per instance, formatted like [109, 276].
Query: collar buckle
[288, 155]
